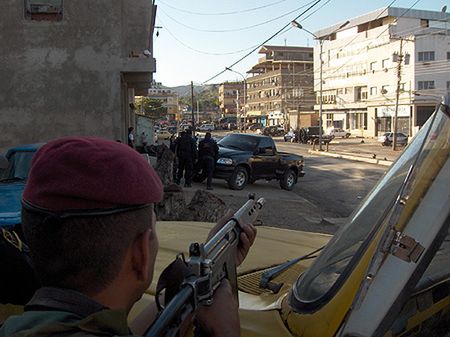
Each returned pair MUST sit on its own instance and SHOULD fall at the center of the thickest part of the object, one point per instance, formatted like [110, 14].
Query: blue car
[12, 182]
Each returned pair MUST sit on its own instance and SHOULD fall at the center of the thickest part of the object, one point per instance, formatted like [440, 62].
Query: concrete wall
[65, 78]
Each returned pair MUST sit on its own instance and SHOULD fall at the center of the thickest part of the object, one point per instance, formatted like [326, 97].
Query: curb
[351, 157]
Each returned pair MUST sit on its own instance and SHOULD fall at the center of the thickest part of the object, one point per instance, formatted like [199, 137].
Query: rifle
[207, 265]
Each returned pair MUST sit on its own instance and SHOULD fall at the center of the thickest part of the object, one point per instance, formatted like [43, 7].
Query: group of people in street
[190, 160]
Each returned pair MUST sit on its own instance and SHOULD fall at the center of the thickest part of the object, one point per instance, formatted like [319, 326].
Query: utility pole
[192, 108]
[397, 94]
[238, 116]
[198, 118]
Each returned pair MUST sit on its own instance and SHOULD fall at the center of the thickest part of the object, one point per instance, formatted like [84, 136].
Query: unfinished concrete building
[72, 67]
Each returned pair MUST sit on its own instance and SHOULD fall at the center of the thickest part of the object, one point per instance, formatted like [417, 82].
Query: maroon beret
[90, 173]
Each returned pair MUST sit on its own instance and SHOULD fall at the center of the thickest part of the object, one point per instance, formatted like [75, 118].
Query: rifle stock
[208, 264]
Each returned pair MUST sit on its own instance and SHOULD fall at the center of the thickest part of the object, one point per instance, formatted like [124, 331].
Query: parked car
[12, 182]
[273, 130]
[388, 138]
[337, 132]
[163, 134]
[245, 158]
[206, 127]
[254, 126]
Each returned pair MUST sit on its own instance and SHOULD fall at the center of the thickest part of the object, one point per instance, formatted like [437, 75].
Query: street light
[299, 26]
[245, 92]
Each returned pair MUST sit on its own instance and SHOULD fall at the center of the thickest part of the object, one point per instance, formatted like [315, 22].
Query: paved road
[331, 188]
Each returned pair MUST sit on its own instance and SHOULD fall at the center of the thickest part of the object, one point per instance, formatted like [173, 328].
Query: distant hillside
[206, 95]
[185, 90]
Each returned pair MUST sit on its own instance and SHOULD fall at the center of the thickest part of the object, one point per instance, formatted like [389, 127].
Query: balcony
[138, 65]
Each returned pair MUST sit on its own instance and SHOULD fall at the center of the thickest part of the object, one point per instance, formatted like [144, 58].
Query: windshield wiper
[269, 275]
[11, 179]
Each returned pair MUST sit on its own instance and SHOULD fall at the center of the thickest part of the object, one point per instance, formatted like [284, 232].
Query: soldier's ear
[140, 255]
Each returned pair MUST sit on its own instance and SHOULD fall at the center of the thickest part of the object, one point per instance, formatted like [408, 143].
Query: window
[267, 145]
[384, 63]
[384, 89]
[426, 85]
[373, 66]
[448, 55]
[448, 85]
[426, 56]
[424, 23]
[43, 10]
[373, 91]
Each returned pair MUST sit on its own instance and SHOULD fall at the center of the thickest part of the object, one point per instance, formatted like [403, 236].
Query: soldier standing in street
[208, 152]
[186, 151]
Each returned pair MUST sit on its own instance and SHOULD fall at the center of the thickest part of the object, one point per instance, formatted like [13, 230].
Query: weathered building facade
[361, 70]
[280, 90]
[169, 100]
[231, 97]
[72, 67]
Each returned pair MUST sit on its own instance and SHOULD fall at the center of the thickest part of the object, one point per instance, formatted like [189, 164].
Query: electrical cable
[280, 31]
[366, 46]
[236, 29]
[201, 51]
[223, 13]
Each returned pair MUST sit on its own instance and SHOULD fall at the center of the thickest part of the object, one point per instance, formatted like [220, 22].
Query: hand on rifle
[247, 237]
[221, 319]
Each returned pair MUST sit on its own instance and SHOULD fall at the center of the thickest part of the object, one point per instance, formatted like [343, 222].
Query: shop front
[385, 119]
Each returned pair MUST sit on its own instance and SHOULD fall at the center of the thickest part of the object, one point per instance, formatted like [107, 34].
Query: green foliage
[208, 98]
[152, 108]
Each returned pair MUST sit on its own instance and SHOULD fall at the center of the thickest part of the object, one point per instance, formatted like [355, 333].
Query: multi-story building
[280, 90]
[231, 96]
[71, 68]
[361, 65]
[169, 99]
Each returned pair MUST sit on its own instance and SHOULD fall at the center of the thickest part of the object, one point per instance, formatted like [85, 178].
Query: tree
[152, 108]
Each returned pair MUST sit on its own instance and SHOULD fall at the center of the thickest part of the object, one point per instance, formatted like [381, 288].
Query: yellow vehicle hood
[273, 246]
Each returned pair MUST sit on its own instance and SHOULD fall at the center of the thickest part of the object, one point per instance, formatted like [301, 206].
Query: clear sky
[199, 38]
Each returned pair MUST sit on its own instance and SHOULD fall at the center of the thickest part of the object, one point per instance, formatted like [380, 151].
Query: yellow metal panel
[326, 321]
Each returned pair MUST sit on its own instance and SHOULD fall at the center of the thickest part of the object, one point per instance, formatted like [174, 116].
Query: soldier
[186, 151]
[207, 153]
[90, 226]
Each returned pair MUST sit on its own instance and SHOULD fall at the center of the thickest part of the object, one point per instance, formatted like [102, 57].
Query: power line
[202, 51]
[235, 29]
[223, 13]
[267, 40]
[396, 20]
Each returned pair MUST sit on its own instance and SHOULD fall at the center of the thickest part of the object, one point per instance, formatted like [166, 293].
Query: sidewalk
[359, 149]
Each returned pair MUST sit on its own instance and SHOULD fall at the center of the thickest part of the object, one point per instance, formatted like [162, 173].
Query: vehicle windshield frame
[10, 172]
[317, 285]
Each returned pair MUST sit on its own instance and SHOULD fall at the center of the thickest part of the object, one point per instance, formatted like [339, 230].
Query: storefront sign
[275, 115]
[389, 111]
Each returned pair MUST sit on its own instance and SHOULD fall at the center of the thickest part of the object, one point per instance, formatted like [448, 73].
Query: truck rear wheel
[238, 179]
[288, 181]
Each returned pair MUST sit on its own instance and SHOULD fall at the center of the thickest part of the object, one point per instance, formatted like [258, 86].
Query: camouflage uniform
[63, 312]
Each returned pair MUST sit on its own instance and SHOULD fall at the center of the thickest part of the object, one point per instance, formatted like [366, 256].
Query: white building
[360, 68]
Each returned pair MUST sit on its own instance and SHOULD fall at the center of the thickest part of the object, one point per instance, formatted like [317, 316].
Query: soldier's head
[88, 215]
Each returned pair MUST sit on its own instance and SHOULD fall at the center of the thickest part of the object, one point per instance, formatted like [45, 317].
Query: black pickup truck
[245, 158]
